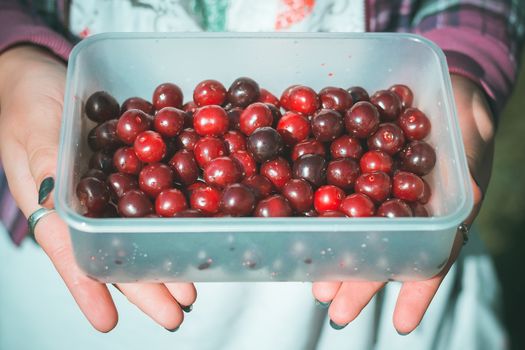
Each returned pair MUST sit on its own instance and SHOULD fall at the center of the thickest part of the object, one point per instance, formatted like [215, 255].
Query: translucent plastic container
[255, 249]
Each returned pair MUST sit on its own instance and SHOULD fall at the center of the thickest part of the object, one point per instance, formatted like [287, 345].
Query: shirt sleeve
[18, 25]
[481, 40]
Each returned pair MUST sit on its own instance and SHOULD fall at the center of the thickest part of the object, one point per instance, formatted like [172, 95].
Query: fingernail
[172, 330]
[401, 333]
[336, 326]
[187, 309]
[47, 185]
[321, 304]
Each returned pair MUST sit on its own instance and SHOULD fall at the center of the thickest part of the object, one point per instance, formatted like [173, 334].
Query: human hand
[347, 299]
[31, 96]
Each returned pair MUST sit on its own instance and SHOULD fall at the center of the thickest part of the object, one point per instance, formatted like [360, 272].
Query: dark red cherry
[361, 120]
[206, 199]
[358, 94]
[169, 121]
[109, 212]
[221, 172]
[311, 167]
[261, 186]
[96, 173]
[376, 185]
[404, 93]
[273, 206]
[407, 186]
[120, 183]
[237, 200]
[342, 173]
[104, 137]
[155, 178]
[335, 98]
[190, 108]
[327, 125]
[418, 209]
[209, 92]
[299, 194]
[277, 171]
[264, 144]
[101, 106]
[346, 147]
[388, 138]
[211, 121]
[189, 213]
[256, 115]
[101, 161]
[293, 128]
[135, 204]
[150, 147]
[167, 95]
[184, 166]
[169, 202]
[209, 148]
[235, 141]
[126, 161]
[357, 205]
[137, 103]
[311, 146]
[414, 123]
[276, 114]
[245, 162]
[243, 92]
[328, 198]
[132, 123]
[301, 99]
[387, 103]
[427, 192]
[418, 157]
[267, 97]
[234, 115]
[331, 214]
[376, 161]
[394, 208]
[93, 194]
[187, 139]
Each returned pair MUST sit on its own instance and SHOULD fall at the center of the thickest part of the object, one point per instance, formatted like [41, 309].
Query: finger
[155, 301]
[184, 293]
[351, 298]
[51, 233]
[325, 292]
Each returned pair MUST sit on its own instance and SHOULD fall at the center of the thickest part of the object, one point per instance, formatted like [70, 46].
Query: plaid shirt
[481, 39]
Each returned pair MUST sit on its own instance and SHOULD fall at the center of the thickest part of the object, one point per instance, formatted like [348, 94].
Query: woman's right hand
[31, 98]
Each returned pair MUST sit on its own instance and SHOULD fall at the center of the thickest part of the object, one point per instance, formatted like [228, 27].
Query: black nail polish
[187, 309]
[47, 185]
[337, 326]
[172, 330]
[322, 304]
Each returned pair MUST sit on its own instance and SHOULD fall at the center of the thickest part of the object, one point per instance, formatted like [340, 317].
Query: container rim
[291, 224]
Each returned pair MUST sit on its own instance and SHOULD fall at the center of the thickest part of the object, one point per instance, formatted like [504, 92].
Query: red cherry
[277, 171]
[376, 161]
[256, 115]
[93, 194]
[197, 184]
[187, 139]
[361, 120]
[311, 146]
[332, 214]
[388, 138]
[299, 194]
[222, 172]
[237, 200]
[342, 173]
[134, 204]
[261, 186]
[267, 97]
[285, 98]
[169, 121]
[328, 198]
[208, 148]
[190, 108]
[293, 128]
[126, 161]
[273, 206]
[132, 123]
[209, 92]
[150, 147]
[335, 98]
[388, 104]
[167, 95]
[137, 103]
[346, 147]
[394, 208]
[169, 202]
[407, 186]
[302, 99]
[404, 93]
[414, 123]
[357, 205]
[375, 185]
[235, 141]
[120, 183]
[205, 199]
[184, 167]
[189, 213]
[155, 178]
[245, 162]
[211, 121]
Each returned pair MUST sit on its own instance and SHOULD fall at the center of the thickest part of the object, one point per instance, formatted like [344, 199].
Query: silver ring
[463, 228]
[33, 219]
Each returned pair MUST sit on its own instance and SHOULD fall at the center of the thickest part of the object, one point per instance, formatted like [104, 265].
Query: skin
[31, 96]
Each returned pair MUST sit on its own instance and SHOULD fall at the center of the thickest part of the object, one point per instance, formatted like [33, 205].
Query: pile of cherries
[243, 152]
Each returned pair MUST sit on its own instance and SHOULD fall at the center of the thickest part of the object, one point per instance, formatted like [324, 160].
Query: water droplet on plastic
[363, 245]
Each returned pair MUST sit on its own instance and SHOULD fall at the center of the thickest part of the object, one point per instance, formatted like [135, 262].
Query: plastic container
[255, 249]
